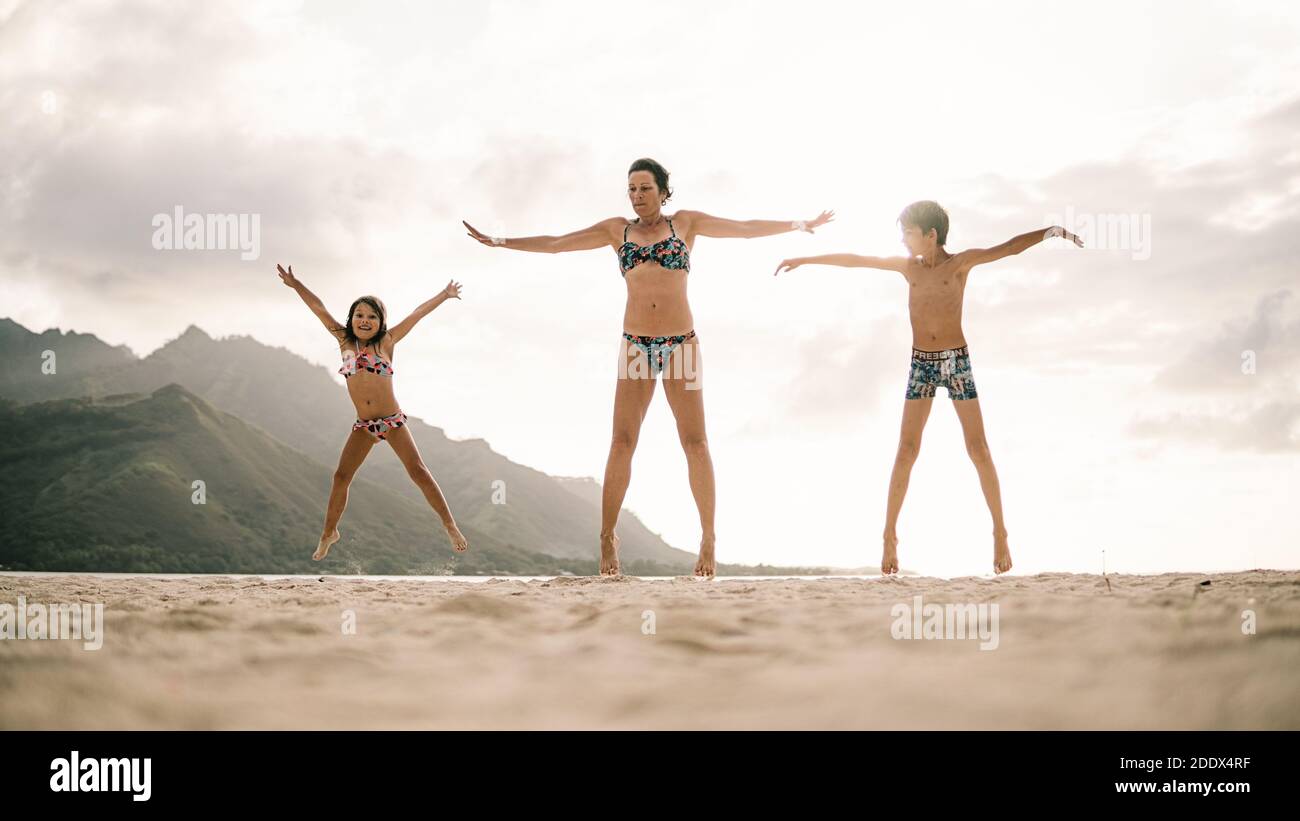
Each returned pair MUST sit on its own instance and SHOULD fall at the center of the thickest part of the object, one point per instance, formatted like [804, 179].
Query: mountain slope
[107, 485]
[301, 405]
[75, 355]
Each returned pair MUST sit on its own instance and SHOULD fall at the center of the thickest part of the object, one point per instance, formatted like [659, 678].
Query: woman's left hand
[822, 219]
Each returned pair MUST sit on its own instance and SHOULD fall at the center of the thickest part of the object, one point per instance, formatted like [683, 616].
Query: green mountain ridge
[301, 405]
[123, 469]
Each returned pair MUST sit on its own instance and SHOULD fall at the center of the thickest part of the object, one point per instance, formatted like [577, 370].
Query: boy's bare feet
[1001, 553]
[889, 560]
[458, 541]
[323, 547]
[609, 554]
[706, 566]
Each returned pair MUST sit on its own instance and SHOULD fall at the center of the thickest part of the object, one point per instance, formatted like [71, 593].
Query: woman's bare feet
[706, 566]
[458, 541]
[1001, 552]
[889, 560]
[609, 554]
[323, 547]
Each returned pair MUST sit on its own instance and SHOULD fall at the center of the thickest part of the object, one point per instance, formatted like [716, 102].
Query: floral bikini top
[353, 361]
[670, 252]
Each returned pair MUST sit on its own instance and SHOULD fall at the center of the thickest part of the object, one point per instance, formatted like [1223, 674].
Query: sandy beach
[1072, 651]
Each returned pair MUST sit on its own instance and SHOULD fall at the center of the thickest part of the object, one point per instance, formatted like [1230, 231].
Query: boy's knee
[908, 449]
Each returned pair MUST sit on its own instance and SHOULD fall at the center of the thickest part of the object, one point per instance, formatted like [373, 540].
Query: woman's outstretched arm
[845, 261]
[597, 236]
[401, 329]
[331, 324]
[700, 224]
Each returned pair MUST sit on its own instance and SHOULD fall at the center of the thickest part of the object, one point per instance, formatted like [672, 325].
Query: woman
[367, 343]
[658, 333]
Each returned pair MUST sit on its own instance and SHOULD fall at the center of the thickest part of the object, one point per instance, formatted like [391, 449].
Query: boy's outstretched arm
[845, 261]
[401, 329]
[331, 324]
[979, 256]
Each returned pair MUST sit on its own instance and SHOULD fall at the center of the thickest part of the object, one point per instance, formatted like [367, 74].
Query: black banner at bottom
[332, 769]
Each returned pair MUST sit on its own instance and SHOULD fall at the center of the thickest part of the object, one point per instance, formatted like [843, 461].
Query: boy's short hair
[925, 215]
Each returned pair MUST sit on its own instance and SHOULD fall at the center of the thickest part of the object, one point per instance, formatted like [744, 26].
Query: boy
[936, 284]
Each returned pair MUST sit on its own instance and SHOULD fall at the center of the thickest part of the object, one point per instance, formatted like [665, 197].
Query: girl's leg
[404, 446]
[632, 397]
[685, 391]
[915, 413]
[354, 453]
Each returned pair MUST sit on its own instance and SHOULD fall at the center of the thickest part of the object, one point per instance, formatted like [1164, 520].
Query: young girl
[364, 341]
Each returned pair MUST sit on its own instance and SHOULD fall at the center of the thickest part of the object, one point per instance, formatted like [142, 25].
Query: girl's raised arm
[331, 324]
[401, 329]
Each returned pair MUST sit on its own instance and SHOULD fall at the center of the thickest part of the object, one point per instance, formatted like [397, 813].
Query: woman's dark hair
[378, 305]
[660, 174]
[925, 215]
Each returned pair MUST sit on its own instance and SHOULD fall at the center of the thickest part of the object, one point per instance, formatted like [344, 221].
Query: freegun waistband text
[951, 353]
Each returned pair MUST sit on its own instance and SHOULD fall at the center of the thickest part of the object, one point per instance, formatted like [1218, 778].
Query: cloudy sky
[1116, 382]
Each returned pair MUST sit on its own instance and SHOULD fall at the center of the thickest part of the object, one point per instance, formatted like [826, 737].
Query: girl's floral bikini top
[670, 252]
[355, 360]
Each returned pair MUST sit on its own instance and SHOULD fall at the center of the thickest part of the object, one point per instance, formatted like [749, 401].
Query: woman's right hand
[788, 265]
[287, 276]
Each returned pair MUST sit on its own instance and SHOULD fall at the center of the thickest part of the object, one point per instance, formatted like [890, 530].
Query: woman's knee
[694, 444]
[623, 440]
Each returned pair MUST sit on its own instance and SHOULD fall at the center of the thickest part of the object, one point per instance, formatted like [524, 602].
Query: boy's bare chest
[936, 284]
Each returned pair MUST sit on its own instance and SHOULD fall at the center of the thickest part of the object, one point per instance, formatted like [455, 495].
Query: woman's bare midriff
[656, 302]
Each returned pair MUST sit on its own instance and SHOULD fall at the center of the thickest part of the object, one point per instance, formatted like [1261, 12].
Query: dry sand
[242, 652]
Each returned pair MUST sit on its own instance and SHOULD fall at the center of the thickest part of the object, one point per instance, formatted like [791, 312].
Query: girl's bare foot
[323, 547]
[889, 560]
[458, 541]
[706, 566]
[609, 554]
[1001, 552]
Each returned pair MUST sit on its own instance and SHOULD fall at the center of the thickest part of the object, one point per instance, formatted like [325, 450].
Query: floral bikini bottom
[658, 348]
